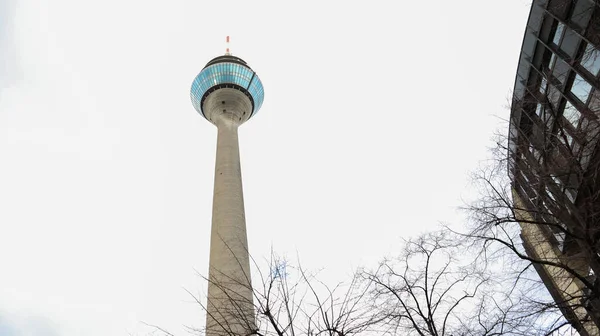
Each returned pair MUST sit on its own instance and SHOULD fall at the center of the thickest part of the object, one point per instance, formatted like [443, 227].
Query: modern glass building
[554, 157]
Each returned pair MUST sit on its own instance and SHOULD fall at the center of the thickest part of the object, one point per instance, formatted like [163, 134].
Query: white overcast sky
[375, 112]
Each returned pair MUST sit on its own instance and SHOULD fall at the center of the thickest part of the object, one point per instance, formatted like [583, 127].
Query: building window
[591, 59]
[581, 89]
[552, 61]
[539, 110]
[558, 34]
[571, 114]
[570, 42]
[560, 239]
[566, 138]
[582, 12]
[561, 70]
[554, 96]
[543, 85]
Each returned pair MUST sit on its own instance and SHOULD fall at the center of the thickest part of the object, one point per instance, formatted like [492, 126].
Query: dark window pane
[554, 96]
[582, 13]
[561, 70]
[570, 42]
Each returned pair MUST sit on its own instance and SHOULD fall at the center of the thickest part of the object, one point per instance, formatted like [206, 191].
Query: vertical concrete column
[230, 309]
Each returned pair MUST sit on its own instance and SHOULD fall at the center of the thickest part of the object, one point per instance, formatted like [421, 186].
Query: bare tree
[437, 287]
[441, 284]
[291, 301]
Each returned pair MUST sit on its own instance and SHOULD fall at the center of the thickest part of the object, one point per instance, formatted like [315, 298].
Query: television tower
[227, 92]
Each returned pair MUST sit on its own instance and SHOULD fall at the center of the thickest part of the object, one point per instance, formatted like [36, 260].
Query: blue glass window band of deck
[227, 73]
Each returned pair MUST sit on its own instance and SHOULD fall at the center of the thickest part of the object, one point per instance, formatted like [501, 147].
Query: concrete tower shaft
[228, 93]
[230, 297]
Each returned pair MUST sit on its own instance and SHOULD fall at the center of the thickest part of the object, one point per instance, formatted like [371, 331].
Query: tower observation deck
[227, 92]
[226, 72]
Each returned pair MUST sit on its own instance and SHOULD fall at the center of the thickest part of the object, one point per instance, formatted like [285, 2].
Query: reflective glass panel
[558, 34]
[570, 42]
[591, 60]
[560, 238]
[564, 137]
[581, 89]
[552, 60]
[561, 70]
[554, 96]
[539, 110]
[227, 73]
[543, 85]
[572, 114]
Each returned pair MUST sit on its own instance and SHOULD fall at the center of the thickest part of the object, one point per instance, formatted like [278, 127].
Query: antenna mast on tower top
[227, 52]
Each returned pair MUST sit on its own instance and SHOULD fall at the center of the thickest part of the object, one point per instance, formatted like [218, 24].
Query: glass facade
[555, 127]
[227, 73]
[567, 89]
